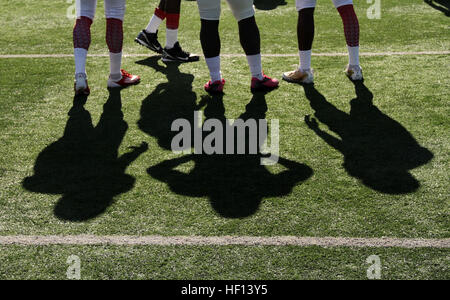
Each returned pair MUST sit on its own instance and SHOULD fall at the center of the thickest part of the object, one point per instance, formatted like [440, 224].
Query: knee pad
[209, 9]
[302, 4]
[86, 8]
[115, 9]
[242, 9]
[339, 3]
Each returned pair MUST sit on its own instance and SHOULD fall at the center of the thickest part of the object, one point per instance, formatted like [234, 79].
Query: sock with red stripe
[172, 24]
[351, 29]
[114, 40]
[172, 8]
[81, 43]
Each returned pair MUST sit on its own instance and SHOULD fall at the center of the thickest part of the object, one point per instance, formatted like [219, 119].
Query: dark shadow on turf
[235, 184]
[441, 5]
[84, 165]
[268, 4]
[169, 101]
[377, 150]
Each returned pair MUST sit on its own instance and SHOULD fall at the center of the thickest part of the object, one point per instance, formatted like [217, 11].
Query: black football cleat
[179, 55]
[149, 40]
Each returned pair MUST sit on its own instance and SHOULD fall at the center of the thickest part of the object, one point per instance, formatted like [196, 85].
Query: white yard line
[332, 54]
[223, 241]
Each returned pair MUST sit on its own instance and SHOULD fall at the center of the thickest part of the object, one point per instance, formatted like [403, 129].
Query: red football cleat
[215, 87]
[126, 81]
[266, 84]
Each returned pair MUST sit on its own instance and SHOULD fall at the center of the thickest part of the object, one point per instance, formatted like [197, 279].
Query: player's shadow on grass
[377, 150]
[268, 4]
[84, 165]
[169, 101]
[235, 184]
[441, 5]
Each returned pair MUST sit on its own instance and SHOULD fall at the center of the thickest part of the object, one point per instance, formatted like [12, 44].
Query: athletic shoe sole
[145, 44]
[290, 80]
[124, 87]
[169, 58]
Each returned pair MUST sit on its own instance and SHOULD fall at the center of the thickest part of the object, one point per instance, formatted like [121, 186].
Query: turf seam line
[154, 240]
[331, 54]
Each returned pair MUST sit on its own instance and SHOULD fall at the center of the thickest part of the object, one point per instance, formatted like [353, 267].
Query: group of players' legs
[305, 34]
[243, 11]
[114, 13]
[168, 10]
[210, 13]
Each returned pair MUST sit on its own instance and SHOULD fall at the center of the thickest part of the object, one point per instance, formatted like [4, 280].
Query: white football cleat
[81, 86]
[299, 76]
[354, 73]
[126, 81]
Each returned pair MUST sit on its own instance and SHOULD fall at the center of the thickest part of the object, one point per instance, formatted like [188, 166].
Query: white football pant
[114, 9]
[211, 9]
[302, 4]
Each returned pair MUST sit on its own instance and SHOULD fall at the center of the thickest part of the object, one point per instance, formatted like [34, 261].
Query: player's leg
[351, 29]
[305, 36]
[173, 8]
[148, 37]
[251, 43]
[114, 13]
[81, 42]
[210, 40]
[158, 17]
[173, 51]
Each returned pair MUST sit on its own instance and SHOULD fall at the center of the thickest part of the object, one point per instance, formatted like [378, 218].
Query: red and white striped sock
[156, 20]
[172, 23]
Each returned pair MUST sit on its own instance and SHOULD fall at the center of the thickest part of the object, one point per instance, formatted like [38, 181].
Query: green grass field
[367, 171]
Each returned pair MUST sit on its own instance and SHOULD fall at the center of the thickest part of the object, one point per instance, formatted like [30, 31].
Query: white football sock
[115, 62]
[171, 37]
[153, 25]
[353, 56]
[80, 60]
[254, 62]
[214, 68]
[305, 60]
